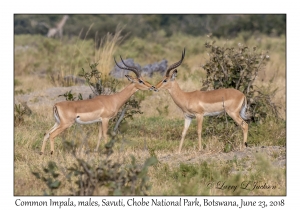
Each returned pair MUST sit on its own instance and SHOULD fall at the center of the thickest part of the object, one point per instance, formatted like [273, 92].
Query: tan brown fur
[197, 104]
[99, 109]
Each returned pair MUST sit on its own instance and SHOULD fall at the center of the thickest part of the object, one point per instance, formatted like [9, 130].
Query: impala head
[140, 83]
[167, 81]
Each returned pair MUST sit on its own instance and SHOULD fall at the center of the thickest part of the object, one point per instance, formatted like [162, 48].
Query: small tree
[228, 67]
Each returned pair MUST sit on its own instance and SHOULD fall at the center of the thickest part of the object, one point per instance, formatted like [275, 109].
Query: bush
[229, 67]
[238, 68]
[19, 112]
[116, 177]
[69, 96]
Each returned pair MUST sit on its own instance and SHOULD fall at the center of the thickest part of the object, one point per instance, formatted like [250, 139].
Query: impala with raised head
[197, 104]
[99, 109]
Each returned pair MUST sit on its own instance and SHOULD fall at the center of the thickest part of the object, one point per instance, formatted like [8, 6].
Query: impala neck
[177, 94]
[125, 94]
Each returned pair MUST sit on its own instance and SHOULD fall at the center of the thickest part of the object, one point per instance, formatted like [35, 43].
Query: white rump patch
[56, 117]
[243, 113]
[77, 120]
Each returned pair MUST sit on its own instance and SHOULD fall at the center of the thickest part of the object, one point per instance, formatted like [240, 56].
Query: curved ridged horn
[129, 68]
[175, 65]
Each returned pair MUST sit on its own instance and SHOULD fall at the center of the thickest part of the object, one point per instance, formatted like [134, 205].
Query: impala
[99, 109]
[197, 104]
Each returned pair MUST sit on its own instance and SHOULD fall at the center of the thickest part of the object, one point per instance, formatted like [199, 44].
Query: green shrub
[115, 177]
[19, 112]
[50, 177]
[70, 96]
[238, 68]
[230, 67]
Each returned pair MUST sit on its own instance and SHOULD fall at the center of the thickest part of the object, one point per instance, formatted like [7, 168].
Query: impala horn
[129, 68]
[175, 65]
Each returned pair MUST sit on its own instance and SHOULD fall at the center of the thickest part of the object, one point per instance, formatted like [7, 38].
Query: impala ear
[130, 78]
[174, 75]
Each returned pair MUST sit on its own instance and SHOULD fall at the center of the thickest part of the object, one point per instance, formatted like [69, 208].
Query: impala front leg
[187, 122]
[200, 120]
[104, 129]
[99, 137]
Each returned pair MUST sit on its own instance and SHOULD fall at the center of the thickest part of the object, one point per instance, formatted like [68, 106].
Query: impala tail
[243, 112]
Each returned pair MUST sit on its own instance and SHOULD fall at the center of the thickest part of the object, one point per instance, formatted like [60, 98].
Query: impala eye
[140, 81]
[165, 80]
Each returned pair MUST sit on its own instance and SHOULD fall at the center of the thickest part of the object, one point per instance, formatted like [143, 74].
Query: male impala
[99, 109]
[197, 104]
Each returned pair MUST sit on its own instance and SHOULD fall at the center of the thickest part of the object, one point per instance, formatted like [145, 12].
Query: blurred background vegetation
[226, 26]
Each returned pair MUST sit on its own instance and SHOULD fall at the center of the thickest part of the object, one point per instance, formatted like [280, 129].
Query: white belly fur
[77, 120]
[212, 113]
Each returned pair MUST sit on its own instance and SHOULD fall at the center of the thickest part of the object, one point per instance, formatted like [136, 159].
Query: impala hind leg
[46, 137]
[55, 130]
[239, 120]
[187, 122]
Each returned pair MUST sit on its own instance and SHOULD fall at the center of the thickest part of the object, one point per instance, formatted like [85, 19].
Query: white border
[113, 7]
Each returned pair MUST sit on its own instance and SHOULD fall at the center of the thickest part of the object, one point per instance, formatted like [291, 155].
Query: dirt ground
[276, 155]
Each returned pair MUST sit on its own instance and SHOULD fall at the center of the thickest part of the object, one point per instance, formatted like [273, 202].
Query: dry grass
[161, 177]
[29, 83]
[103, 55]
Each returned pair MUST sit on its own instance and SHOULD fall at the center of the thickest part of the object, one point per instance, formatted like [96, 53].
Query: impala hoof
[41, 153]
[246, 144]
[51, 152]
